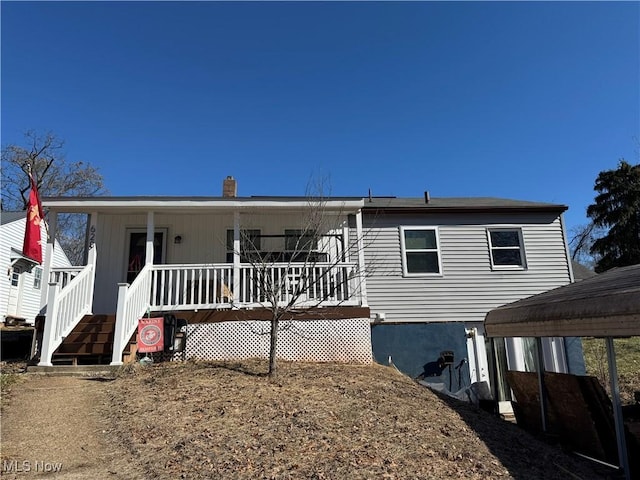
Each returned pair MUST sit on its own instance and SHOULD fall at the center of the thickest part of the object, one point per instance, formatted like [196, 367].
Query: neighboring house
[405, 278]
[581, 272]
[438, 265]
[23, 282]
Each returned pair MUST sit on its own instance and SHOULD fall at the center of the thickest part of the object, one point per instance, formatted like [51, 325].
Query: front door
[137, 247]
[15, 293]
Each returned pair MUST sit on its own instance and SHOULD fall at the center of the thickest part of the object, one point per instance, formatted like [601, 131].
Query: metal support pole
[617, 409]
[541, 386]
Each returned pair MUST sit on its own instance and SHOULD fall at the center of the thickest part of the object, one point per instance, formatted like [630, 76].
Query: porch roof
[196, 204]
[605, 305]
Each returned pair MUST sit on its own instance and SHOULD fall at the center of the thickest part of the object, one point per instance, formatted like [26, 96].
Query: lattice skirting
[347, 340]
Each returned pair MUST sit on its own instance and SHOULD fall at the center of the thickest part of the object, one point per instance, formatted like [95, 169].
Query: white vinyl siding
[12, 236]
[468, 287]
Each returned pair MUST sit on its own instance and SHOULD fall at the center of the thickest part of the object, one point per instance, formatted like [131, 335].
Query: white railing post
[118, 341]
[46, 352]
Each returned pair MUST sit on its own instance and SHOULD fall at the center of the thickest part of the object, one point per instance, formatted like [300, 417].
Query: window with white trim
[15, 276]
[420, 251]
[506, 247]
[37, 278]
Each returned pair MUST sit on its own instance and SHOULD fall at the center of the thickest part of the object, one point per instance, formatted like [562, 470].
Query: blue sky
[524, 100]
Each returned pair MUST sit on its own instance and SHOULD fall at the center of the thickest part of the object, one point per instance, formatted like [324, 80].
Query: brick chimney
[229, 187]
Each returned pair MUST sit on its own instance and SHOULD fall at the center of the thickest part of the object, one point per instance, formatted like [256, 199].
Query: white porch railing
[133, 302]
[207, 286]
[63, 275]
[319, 284]
[191, 287]
[66, 307]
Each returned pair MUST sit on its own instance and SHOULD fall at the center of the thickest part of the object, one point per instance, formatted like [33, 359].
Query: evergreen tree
[617, 209]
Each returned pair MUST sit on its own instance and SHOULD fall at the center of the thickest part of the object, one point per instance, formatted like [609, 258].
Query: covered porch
[204, 254]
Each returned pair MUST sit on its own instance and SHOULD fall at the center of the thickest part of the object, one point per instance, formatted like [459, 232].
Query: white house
[23, 281]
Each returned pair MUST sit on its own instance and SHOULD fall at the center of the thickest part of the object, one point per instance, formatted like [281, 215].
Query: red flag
[32, 247]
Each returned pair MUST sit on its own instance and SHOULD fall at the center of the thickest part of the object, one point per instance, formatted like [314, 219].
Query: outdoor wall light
[177, 239]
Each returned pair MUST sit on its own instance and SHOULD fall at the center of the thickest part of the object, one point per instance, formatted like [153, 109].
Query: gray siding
[468, 288]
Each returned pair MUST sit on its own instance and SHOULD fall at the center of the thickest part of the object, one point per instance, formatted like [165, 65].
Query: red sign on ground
[151, 334]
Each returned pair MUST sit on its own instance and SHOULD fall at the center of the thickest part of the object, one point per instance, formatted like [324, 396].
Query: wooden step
[100, 337]
[95, 328]
[100, 318]
[91, 341]
[82, 348]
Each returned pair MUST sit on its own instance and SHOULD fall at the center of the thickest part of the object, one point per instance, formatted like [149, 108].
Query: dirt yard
[228, 421]
[56, 427]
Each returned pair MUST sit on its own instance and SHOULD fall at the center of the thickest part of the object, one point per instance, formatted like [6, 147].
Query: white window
[506, 247]
[15, 276]
[420, 251]
[37, 278]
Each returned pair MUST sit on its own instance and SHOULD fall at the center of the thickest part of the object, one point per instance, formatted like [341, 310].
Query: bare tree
[317, 266]
[54, 176]
[581, 240]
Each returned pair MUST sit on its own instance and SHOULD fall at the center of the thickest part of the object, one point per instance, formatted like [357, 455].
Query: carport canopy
[606, 305]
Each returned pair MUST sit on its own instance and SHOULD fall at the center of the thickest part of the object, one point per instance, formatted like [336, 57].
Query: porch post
[50, 327]
[150, 234]
[361, 267]
[48, 258]
[92, 230]
[91, 260]
[236, 255]
[541, 385]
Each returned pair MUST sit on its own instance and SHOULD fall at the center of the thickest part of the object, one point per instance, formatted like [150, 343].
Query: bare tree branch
[53, 176]
[314, 268]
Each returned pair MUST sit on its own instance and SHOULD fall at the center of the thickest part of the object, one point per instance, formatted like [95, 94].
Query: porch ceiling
[196, 204]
